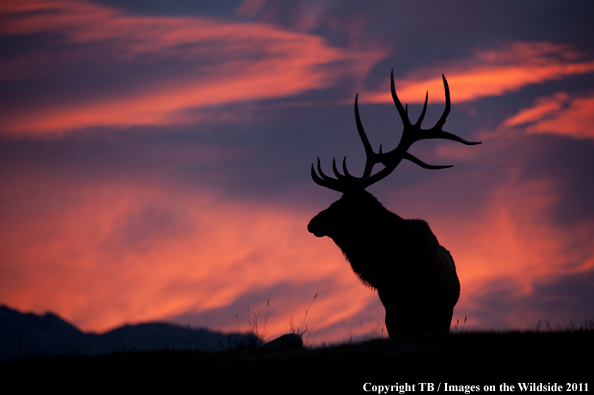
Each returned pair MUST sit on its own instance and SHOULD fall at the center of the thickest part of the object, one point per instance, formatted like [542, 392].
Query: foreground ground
[464, 360]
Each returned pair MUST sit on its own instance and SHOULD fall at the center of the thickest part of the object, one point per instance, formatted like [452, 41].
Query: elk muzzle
[313, 228]
[316, 226]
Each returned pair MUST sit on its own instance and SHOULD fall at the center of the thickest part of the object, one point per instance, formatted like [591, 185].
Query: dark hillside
[465, 359]
[29, 335]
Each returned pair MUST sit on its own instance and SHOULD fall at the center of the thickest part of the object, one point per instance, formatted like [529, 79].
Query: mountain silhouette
[27, 335]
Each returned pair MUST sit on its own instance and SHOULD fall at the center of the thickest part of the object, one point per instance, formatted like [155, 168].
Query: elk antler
[411, 133]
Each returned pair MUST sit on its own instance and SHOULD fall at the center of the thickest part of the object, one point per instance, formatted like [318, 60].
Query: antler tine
[372, 157]
[324, 180]
[337, 173]
[448, 105]
[424, 165]
[346, 172]
[322, 175]
[420, 120]
[403, 113]
[449, 136]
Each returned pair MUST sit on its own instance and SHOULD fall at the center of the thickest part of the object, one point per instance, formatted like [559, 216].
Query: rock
[287, 341]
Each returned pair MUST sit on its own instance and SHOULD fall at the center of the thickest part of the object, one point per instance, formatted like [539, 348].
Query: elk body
[414, 275]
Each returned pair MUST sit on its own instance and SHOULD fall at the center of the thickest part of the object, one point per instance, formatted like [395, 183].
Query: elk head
[353, 188]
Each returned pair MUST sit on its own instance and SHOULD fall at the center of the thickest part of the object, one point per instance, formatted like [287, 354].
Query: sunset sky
[155, 157]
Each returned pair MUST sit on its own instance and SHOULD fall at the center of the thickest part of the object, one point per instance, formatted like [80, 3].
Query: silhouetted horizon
[27, 335]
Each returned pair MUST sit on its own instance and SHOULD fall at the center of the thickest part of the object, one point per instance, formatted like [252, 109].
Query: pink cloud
[233, 62]
[494, 72]
[557, 114]
[543, 107]
[105, 252]
[505, 245]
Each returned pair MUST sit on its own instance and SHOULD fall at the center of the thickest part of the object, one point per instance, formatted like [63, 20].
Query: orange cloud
[106, 253]
[508, 238]
[103, 253]
[542, 108]
[233, 62]
[558, 114]
[489, 73]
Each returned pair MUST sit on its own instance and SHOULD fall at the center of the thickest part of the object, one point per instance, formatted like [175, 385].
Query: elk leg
[413, 316]
[447, 320]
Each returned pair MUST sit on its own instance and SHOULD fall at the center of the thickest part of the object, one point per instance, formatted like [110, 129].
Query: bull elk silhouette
[414, 275]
